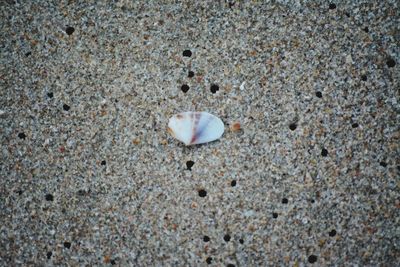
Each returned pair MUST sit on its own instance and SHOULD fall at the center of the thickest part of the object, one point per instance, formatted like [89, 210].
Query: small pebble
[312, 259]
[49, 197]
[187, 53]
[227, 238]
[189, 164]
[235, 127]
[391, 63]
[214, 88]
[22, 135]
[66, 107]
[292, 126]
[70, 30]
[185, 88]
[202, 193]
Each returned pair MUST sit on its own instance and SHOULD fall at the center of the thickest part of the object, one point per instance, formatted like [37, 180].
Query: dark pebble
[312, 259]
[214, 88]
[70, 30]
[391, 63]
[66, 107]
[187, 53]
[332, 233]
[227, 238]
[292, 126]
[189, 164]
[22, 135]
[202, 193]
[49, 197]
[67, 245]
[185, 88]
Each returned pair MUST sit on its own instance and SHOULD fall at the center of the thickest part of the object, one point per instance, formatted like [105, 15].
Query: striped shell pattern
[195, 127]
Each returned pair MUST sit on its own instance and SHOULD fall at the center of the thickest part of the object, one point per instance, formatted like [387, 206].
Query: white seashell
[195, 127]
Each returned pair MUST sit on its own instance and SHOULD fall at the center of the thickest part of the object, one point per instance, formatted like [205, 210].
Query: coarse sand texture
[304, 172]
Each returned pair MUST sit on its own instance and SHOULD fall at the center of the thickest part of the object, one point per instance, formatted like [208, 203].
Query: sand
[90, 176]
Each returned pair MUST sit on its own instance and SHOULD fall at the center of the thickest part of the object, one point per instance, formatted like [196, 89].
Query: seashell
[195, 127]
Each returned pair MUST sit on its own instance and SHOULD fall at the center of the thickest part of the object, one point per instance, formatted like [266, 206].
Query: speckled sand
[90, 177]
